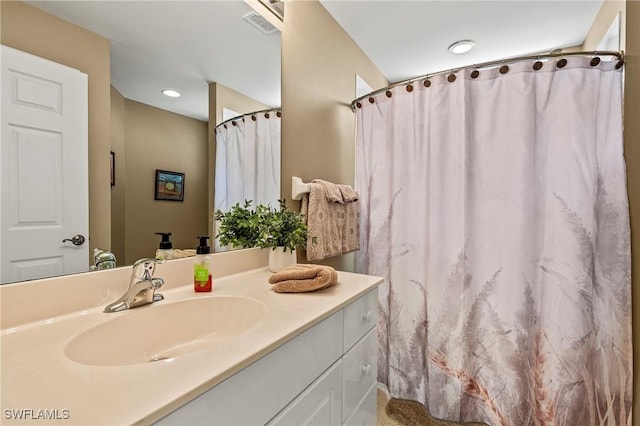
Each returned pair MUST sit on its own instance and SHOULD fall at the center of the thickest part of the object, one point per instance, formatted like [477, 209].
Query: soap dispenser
[165, 252]
[202, 266]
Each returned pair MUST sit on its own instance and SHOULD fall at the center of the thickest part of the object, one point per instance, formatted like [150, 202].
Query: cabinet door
[320, 404]
[367, 412]
[360, 367]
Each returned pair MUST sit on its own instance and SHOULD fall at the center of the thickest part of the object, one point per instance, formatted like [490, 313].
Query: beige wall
[319, 63]
[601, 24]
[230, 99]
[31, 30]
[630, 43]
[158, 139]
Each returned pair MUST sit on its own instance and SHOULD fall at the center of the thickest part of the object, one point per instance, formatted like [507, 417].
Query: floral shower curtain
[495, 207]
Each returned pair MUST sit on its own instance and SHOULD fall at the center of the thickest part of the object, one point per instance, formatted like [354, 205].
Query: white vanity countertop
[37, 375]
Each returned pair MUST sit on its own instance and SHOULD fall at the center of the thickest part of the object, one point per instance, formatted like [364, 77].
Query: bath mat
[412, 413]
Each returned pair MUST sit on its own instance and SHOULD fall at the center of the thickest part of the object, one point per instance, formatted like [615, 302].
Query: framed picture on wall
[169, 186]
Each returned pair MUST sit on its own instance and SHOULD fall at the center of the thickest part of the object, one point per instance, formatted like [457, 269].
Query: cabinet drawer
[258, 392]
[367, 412]
[359, 317]
[360, 370]
[319, 404]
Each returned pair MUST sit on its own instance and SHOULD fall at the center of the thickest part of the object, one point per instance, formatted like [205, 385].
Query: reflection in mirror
[247, 161]
[206, 51]
[611, 39]
[276, 7]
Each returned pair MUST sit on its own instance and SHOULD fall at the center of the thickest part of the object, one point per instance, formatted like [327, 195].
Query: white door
[43, 168]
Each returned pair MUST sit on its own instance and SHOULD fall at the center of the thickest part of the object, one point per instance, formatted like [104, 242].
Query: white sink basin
[163, 330]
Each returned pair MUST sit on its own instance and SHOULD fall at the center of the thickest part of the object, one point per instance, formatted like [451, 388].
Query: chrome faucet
[142, 287]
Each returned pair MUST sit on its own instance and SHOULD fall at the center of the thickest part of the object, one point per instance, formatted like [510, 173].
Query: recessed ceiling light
[171, 93]
[462, 46]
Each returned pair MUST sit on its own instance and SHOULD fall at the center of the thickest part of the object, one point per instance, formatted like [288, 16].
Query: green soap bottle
[202, 266]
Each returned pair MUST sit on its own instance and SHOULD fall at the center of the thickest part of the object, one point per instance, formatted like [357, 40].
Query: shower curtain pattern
[496, 210]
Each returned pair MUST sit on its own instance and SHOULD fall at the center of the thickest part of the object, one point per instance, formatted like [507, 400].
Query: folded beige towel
[301, 278]
[181, 253]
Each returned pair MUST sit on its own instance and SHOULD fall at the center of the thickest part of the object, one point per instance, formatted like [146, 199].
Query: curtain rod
[238, 117]
[553, 54]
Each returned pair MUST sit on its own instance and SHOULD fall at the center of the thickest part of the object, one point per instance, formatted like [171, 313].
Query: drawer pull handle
[366, 369]
[366, 316]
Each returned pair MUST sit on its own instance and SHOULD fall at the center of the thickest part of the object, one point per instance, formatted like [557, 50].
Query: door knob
[77, 240]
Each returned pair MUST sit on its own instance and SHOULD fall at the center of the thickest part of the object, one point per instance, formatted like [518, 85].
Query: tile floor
[383, 419]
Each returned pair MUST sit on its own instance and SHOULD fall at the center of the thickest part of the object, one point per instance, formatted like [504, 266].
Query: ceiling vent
[255, 19]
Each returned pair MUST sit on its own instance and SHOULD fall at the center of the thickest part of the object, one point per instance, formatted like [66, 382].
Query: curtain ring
[537, 65]
[388, 93]
[451, 78]
[358, 105]
[562, 63]
[504, 69]
[619, 64]
[371, 100]
[427, 83]
[266, 115]
[253, 117]
[475, 74]
[279, 114]
[409, 88]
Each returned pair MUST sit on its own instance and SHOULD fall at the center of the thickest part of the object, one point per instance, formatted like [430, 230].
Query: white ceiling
[182, 45]
[407, 39]
[186, 44]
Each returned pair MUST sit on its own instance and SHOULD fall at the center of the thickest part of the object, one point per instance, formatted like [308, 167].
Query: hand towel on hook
[333, 215]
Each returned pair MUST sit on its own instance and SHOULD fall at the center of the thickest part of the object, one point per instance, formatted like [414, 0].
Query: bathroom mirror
[237, 55]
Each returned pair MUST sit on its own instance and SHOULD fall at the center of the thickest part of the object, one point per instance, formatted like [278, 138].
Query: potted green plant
[238, 227]
[279, 229]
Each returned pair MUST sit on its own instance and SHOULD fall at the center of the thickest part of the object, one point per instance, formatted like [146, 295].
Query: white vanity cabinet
[360, 362]
[319, 404]
[324, 376]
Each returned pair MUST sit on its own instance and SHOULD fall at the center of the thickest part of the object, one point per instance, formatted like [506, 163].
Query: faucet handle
[148, 264]
[146, 260]
[156, 283]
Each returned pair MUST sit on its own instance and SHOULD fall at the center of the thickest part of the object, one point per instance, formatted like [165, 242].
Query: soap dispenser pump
[202, 266]
[165, 252]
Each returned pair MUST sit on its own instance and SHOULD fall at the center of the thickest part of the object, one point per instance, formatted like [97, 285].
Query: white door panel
[34, 92]
[44, 163]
